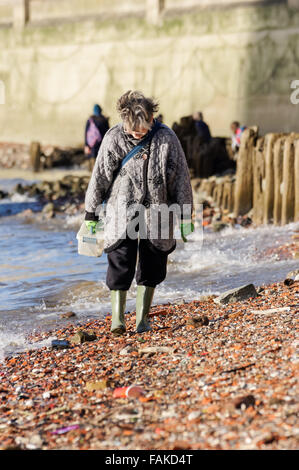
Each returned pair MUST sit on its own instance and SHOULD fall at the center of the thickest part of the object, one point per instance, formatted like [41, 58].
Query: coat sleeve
[178, 178]
[102, 176]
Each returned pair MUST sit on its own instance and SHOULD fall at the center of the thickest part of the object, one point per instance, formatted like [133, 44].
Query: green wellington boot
[143, 304]
[118, 302]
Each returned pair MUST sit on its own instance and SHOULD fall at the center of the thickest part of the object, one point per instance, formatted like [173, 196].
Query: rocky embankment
[219, 373]
[63, 197]
[66, 197]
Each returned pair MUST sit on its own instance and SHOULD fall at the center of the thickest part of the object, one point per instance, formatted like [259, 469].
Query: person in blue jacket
[96, 127]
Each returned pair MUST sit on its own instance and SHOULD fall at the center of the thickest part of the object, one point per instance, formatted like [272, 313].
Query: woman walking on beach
[140, 166]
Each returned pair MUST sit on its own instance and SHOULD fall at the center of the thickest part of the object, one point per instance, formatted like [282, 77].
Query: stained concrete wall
[59, 9]
[233, 63]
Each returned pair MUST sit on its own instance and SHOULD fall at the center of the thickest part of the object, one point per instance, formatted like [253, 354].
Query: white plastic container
[91, 244]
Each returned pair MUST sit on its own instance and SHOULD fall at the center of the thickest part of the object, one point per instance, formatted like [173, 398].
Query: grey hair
[136, 110]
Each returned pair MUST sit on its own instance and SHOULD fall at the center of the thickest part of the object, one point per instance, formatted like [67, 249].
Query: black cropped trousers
[151, 266]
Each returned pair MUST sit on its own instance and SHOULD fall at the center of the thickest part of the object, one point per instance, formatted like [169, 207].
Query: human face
[138, 133]
[234, 128]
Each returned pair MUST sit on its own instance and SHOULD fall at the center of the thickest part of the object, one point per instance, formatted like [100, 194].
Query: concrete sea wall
[231, 59]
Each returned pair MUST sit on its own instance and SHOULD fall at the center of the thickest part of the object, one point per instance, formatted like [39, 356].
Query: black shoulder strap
[142, 144]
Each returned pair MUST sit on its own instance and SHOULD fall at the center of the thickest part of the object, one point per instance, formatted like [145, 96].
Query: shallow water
[42, 276]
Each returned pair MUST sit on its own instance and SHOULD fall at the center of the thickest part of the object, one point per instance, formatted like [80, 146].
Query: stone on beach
[197, 321]
[98, 385]
[155, 349]
[3, 194]
[49, 207]
[125, 351]
[35, 442]
[49, 210]
[68, 315]
[82, 337]
[60, 344]
[271, 311]
[218, 226]
[246, 401]
[293, 275]
[236, 295]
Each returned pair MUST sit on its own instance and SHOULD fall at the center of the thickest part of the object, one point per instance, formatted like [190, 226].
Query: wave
[17, 198]
[12, 343]
[74, 221]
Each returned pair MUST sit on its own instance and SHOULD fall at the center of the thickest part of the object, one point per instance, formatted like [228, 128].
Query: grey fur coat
[157, 175]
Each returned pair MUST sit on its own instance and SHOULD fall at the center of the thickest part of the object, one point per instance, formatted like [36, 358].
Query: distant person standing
[201, 155]
[160, 118]
[237, 132]
[96, 127]
[202, 129]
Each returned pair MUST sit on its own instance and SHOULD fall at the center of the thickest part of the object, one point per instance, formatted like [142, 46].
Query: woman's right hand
[91, 225]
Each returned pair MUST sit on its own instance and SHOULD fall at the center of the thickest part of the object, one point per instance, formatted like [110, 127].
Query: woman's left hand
[186, 229]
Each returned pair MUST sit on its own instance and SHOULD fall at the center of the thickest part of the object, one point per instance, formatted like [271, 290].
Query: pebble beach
[208, 376]
[190, 109]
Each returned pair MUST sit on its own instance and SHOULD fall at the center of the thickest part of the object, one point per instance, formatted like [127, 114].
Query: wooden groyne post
[244, 175]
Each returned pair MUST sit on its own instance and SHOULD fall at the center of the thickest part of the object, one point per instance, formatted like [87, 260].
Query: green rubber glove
[186, 229]
[91, 225]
